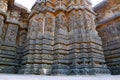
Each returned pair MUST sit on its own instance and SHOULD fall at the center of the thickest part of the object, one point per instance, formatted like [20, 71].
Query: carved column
[61, 58]
[31, 58]
[6, 60]
[95, 59]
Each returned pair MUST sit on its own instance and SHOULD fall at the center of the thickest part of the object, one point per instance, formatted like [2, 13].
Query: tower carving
[58, 37]
[63, 39]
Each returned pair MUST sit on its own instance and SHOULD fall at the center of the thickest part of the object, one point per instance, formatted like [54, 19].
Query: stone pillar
[47, 43]
[95, 59]
[9, 56]
[22, 35]
[85, 45]
[31, 59]
[39, 45]
[61, 42]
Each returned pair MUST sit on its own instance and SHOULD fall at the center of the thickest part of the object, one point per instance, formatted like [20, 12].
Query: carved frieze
[52, 40]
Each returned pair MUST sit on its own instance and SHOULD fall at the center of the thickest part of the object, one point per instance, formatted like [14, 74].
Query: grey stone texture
[58, 37]
[108, 27]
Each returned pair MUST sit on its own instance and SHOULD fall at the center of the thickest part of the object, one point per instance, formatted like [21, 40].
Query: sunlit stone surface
[58, 37]
[108, 21]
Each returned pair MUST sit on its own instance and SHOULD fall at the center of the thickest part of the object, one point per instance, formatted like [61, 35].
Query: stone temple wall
[11, 19]
[108, 26]
[62, 40]
[59, 37]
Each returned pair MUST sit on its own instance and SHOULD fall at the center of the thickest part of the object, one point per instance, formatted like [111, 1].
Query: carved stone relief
[1, 30]
[89, 20]
[11, 34]
[23, 35]
[80, 22]
[33, 29]
[61, 23]
[14, 16]
[60, 2]
[3, 5]
[49, 24]
[72, 20]
[36, 26]
[40, 24]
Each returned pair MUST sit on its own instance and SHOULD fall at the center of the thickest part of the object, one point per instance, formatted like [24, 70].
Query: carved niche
[72, 20]
[23, 35]
[103, 33]
[32, 30]
[89, 20]
[49, 23]
[90, 25]
[36, 26]
[11, 34]
[79, 21]
[40, 22]
[61, 22]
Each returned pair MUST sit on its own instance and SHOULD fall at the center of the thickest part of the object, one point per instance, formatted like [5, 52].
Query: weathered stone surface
[108, 26]
[58, 37]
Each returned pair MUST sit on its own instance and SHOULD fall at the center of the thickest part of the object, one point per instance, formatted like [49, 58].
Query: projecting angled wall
[10, 28]
[62, 40]
[108, 26]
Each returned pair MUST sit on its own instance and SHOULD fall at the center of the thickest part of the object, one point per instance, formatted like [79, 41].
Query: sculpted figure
[11, 34]
[40, 24]
[79, 20]
[1, 29]
[89, 20]
[63, 22]
[49, 24]
[23, 36]
[57, 22]
[72, 21]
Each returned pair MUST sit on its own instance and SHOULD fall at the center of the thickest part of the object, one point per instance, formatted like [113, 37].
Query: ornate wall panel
[108, 24]
[58, 37]
[11, 35]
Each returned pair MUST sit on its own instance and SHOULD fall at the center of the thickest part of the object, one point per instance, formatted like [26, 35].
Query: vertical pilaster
[61, 41]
